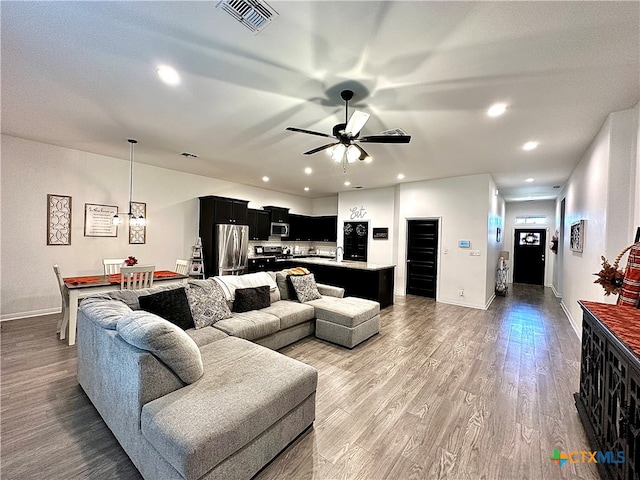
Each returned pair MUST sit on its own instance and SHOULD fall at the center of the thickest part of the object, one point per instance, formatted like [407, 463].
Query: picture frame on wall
[576, 239]
[138, 233]
[98, 220]
[58, 219]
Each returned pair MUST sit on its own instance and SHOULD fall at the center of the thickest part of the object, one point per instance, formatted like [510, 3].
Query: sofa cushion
[305, 287]
[290, 313]
[250, 325]
[206, 335]
[229, 283]
[207, 302]
[284, 287]
[165, 340]
[253, 298]
[130, 297]
[104, 313]
[248, 389]
[171, 305]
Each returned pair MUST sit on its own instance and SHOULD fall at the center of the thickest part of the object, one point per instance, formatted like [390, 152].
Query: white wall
[545, 208]
[599, 191]
[463, 207]
[375, 206]
[495, 220]
[31, 170]
[324, 206]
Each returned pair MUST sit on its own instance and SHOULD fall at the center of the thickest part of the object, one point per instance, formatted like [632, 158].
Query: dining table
[83, 286]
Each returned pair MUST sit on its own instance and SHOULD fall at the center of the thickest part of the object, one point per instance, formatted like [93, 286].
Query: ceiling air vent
[253, 14]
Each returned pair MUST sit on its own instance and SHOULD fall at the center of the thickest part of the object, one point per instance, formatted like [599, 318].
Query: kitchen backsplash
[307, 248]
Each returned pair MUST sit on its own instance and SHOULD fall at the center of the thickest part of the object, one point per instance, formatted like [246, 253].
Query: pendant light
[134, 221]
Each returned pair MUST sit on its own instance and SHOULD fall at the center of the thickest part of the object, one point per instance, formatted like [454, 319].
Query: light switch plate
[474, 253]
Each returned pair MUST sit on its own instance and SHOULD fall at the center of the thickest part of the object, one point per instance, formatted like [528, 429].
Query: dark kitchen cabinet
[224, 210]
[324, 228]
[278, 214]
[218, 210]
[608, 400]
[261, 264]
[258, 224]
[299, 228]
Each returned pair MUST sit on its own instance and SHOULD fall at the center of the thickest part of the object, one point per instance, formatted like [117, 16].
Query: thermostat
[464, 243]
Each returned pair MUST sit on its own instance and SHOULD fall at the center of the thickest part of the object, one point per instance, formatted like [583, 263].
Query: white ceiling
[82, 75]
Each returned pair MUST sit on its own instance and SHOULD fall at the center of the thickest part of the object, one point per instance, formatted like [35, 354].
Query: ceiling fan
[346, 149]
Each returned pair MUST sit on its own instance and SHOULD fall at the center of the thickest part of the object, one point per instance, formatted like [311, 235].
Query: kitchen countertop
[344, 264]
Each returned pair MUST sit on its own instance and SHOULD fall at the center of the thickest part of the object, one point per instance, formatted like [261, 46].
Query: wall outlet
[461, 292]
[474, 253]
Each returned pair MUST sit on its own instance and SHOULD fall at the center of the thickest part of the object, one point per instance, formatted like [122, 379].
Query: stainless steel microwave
[280, 229]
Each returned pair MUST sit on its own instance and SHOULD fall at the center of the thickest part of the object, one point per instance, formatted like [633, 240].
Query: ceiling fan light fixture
[338, 153]
[353, 154]
[356, 122]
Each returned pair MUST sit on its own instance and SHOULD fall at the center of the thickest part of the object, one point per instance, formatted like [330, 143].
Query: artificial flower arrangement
[131, 261]
[611, 277]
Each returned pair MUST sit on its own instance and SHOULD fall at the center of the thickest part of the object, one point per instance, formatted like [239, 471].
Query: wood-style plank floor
[442, 392]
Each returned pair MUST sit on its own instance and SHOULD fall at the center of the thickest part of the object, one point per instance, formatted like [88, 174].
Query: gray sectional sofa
[205, 403]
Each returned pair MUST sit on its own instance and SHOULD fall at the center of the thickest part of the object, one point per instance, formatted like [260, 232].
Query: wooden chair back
[112, 265]
[136, 277]
[182, 266]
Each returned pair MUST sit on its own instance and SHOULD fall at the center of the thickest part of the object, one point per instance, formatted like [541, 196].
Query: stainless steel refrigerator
[232, 243]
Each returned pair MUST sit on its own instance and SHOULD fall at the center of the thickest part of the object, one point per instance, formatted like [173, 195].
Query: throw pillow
[305, 287]
[171, 305]
[172, 345]
[254, 298]
[208, 302]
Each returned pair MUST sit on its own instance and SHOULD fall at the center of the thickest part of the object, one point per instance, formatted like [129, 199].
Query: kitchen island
[359, 279]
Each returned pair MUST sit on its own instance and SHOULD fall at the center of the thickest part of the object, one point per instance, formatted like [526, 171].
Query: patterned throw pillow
[208, 303]
[254, 298]
[305, 287]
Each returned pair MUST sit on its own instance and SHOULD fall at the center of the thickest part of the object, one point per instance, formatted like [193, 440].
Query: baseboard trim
[555, 292]
[571, 321]
[460, 304]
[34, 313]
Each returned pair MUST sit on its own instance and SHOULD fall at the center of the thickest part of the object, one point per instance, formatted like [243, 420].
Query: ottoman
[346, 321]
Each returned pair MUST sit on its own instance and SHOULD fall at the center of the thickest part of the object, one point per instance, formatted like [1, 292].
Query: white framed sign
[98, 220]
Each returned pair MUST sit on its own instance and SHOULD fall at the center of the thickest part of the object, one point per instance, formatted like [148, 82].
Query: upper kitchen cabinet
[258, 224]
[224, 210]
[325, 228]
[299, 228]
[278, 214]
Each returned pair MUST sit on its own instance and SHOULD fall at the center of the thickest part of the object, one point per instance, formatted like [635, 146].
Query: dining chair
[64, 319]
[182, 266]
[136, 277]
[112, 265]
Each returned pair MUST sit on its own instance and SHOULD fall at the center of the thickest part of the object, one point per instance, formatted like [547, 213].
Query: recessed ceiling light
[265, 179]
[530, 146]
[400, 176]
[308, 170]
[529, 180]
[168, 75]
[347, 183]
[306, 189]
[497, 109]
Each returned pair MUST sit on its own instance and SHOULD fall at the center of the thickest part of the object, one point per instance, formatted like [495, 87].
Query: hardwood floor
[442, 392]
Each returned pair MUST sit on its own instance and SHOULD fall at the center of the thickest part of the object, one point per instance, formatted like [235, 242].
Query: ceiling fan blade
[310, 132]
[363, 152]
[319, 149]
[356, 122]
[386, 139]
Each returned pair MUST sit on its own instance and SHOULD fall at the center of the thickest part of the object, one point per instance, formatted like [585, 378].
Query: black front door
[422, 257]
[529, 256]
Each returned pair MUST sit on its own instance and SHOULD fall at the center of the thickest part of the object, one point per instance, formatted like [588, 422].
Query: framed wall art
[138, 233]
[98, 220]
[576, 241]
[58, 220]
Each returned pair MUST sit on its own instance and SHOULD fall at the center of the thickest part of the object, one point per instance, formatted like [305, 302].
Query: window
[529, 238]
[532, 220]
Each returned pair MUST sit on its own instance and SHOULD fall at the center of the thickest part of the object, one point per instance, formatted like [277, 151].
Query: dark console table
[608, 402]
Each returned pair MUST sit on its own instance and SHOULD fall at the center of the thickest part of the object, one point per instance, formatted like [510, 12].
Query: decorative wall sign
[576, 241]
[381, 233]
[138, 233]
[98, 220]
[357, 212]
[58, 220]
